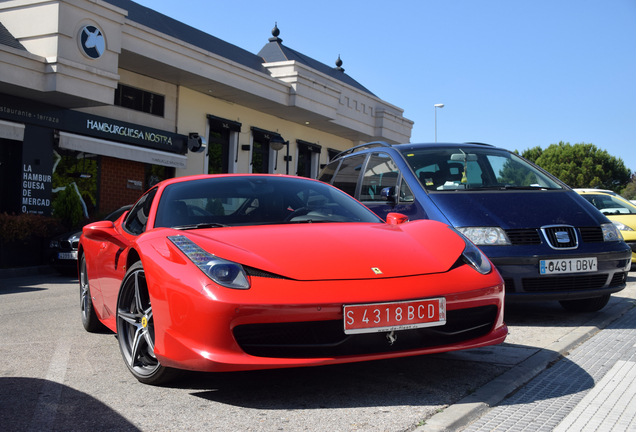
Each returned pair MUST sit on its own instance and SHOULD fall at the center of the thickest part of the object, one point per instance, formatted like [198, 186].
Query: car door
[111, 259]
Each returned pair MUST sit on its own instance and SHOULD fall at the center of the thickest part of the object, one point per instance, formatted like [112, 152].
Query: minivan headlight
[486, 236]
[610, 232]
[225, 273]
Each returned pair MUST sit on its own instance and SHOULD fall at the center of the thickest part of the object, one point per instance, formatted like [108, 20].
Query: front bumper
[525, 283]
[285, 323]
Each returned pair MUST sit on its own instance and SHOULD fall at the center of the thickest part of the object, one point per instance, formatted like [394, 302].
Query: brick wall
[114, 176]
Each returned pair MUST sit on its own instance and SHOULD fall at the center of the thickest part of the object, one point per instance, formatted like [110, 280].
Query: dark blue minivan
[547, 241]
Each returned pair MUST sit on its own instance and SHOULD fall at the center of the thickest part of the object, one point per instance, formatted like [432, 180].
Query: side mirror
[388, 194]
[396, 218]
[104, 231]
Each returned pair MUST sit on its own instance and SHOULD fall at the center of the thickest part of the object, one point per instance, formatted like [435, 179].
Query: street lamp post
[437, 106]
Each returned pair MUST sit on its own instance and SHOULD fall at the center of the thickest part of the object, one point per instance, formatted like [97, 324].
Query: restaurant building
[102, 99]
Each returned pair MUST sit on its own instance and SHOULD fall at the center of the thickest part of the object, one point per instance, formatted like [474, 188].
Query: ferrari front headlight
[225, 273]
[473, 256]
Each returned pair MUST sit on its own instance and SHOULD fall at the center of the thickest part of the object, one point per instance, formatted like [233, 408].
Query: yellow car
[617, 209]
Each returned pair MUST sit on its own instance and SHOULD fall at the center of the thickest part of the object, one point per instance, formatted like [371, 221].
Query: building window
[261, 151]
[75, 179]
[139, 100]
[308, 159]
[222, 141]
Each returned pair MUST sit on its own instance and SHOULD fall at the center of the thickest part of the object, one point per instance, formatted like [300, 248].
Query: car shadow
[411, 381]
[36, 404]
[34, 282]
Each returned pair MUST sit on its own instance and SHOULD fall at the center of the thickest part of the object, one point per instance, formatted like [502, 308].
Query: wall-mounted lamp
[276, 143]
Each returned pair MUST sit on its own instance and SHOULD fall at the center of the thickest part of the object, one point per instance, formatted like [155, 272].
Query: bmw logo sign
[92, 42]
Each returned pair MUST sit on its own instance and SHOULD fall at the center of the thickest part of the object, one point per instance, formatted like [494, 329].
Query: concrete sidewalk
[585, 381]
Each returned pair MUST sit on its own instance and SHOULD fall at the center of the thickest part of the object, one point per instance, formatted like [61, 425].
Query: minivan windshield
[470, 168]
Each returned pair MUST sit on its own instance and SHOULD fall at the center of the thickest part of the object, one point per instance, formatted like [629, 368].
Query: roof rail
[360, 148]
[478, 143]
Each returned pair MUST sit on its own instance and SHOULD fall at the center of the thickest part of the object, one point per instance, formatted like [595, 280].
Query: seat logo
[562, 237]
[92, 42]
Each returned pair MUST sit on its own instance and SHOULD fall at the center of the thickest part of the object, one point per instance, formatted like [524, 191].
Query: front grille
[560, 237]
[510, 285]
[632, 246]
[524, 237]
[564, 283]
[591, 234]
[327, 338]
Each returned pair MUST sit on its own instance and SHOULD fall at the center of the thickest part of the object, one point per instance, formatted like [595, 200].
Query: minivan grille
[591, 234]
[524, 237]
[561, 237]
[564, 283]
[530, 237]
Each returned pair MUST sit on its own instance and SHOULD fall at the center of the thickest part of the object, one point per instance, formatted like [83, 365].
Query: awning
[121, 151]
[11, 131]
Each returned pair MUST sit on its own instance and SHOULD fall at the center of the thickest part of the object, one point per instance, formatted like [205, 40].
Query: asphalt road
[55, 376]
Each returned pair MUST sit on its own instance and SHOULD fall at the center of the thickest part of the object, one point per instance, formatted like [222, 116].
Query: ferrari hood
[336, 251]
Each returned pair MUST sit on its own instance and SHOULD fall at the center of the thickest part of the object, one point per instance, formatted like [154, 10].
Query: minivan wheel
[586, 305]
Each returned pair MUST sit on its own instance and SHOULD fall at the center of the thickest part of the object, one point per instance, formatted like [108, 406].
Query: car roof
[407, 146]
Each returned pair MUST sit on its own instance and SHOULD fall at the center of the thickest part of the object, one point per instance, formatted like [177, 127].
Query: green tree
[629, 191]
[581, 165]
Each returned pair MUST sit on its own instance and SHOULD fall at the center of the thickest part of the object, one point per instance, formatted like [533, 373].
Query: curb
[471, 407]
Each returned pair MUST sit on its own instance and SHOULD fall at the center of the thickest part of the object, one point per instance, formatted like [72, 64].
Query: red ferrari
[241, 272]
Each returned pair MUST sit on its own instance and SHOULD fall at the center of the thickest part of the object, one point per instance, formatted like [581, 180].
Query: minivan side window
[327, 173]
[347, 176]
[381, 172]
[137, 219]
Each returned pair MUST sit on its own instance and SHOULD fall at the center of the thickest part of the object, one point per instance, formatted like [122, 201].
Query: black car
[546, 240]
[63, 248]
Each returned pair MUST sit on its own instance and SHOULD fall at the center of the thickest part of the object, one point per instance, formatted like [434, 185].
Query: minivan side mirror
[388, 194]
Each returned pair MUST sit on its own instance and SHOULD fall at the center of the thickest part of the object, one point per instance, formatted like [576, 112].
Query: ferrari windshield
[255, 200]
[456, 168]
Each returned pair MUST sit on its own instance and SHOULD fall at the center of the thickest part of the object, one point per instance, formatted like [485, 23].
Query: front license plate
[67, 255]
[380, 317]
[570, 265]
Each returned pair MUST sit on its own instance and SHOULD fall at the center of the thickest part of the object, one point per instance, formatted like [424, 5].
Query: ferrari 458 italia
[241, 272]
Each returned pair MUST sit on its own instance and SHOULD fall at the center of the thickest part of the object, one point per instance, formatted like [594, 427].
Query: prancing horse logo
[92, 41]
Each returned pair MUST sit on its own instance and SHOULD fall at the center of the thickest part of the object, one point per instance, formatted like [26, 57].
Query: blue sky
[512, 73]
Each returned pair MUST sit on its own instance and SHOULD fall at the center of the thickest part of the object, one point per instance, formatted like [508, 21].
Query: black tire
[89, 318]
[586, 305]
[135, 330]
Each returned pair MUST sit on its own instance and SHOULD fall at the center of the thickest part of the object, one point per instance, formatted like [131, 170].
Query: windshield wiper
[512, 187]
[199, 225]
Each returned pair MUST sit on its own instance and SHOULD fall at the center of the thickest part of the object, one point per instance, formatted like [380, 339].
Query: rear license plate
[569, 265]
[380, 317]
[67, 255]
